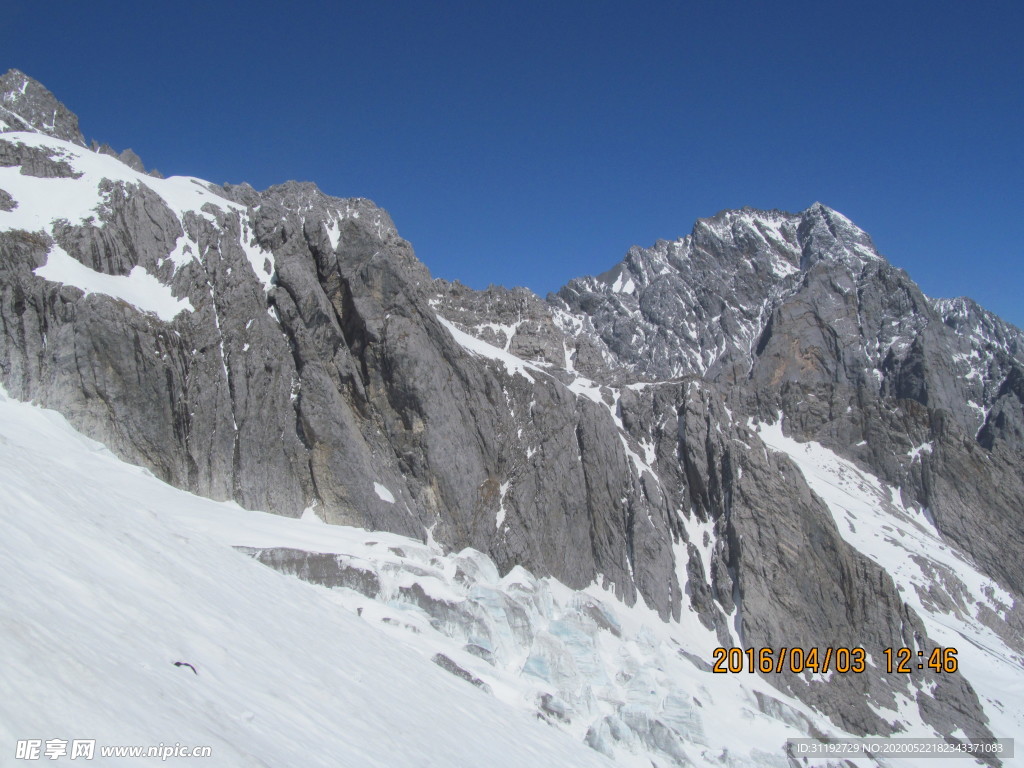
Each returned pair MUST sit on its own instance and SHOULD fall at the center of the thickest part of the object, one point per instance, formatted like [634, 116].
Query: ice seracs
[164, 583]
[515, 446]
[114, 576]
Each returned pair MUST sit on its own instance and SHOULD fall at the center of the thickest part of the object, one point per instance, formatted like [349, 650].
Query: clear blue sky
[527, 143]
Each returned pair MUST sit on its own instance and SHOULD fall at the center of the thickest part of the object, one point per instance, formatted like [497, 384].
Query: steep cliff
[286, 349]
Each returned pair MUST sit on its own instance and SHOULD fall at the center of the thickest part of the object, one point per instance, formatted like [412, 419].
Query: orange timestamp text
[825, 660]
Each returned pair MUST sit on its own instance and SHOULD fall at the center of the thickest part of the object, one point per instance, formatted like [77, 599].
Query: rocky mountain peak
[783, 241]
[762, 430]
[27, 105]
[825, 234]
[712, 291]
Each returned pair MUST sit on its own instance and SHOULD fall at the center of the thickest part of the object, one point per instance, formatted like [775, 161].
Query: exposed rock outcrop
[286, 349]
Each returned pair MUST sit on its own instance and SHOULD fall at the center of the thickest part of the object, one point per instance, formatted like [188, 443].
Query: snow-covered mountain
[113, 576]
[761, 435]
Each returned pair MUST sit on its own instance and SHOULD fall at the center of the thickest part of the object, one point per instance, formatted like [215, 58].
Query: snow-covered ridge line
[41, 203]
[78, 199]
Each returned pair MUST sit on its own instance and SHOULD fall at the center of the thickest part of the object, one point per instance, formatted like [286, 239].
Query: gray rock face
[327, 570]
[25, 105]
[35, 161]
[604, 434]
[798, 314]
[128, 157]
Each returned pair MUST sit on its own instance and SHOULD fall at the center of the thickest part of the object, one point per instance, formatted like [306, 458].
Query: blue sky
[528, 143]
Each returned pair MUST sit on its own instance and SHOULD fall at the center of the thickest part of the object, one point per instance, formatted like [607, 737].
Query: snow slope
[138, 287]
[940, 583]
[105, 586]
[110, 576]
[41, 201]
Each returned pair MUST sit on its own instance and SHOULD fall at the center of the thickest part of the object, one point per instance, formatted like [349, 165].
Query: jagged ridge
[299, 355]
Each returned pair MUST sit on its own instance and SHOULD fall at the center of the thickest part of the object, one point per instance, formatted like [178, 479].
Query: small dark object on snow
[185, 664]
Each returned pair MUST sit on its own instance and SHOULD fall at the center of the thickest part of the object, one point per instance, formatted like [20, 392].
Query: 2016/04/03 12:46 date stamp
[825, 660]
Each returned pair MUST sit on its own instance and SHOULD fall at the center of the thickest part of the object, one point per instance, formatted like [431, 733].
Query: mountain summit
[26, 105]
[762, 433]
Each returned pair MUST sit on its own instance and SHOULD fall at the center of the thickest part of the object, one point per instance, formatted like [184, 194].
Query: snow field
[112, 576]
[106, 585]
